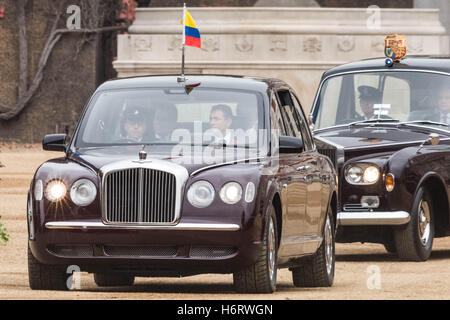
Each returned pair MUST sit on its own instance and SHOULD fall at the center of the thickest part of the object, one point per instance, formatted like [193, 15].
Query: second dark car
[386, 128]
[166, 179]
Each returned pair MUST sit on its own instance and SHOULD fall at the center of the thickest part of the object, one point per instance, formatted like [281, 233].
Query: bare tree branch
[23, 48]
[25, 92]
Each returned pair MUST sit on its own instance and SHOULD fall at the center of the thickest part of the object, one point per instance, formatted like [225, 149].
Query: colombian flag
[192, 35]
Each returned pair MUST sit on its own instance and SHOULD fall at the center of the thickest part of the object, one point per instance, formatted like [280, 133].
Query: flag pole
[182, 78]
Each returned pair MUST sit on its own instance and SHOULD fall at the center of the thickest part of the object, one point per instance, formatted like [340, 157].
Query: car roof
[208, 81]
[428, 63]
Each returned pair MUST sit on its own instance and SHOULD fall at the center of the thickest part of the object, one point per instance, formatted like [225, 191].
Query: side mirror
[291, 144]
[434, 139]
[55, 142]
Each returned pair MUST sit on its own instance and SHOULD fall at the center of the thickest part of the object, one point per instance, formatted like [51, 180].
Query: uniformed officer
[368, 97]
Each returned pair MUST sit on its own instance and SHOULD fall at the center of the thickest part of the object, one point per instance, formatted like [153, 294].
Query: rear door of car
[307, 169]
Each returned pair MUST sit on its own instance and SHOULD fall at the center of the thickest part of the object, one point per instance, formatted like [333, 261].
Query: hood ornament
[142, 155]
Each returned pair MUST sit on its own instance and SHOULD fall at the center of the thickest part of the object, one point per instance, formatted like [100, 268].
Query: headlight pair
[362, 173]
[201, 193]
[82, 192]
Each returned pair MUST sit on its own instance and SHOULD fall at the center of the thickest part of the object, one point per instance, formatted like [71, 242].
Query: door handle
[303, 168]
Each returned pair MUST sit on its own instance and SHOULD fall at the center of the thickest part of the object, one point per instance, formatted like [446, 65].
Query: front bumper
[98, 225]
[186, 248]
[373, 218]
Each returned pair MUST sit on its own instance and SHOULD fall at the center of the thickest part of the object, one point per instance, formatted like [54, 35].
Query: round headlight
[354, 174]
[231, 193]
[201, 194]
[83, 192]
[371, 174]
[55, 190]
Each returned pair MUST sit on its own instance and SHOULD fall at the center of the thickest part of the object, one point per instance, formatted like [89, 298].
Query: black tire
[261, 277]
[317, 270]
[389, 244]
[413, 241]
[113, 280]
[390, 247]
[46, 277]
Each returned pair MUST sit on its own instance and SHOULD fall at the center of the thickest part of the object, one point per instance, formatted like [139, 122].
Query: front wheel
[318, 270]
[414, 241]
[261, 277]
[46, 277]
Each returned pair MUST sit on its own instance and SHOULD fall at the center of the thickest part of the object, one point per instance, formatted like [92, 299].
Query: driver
[368, 97]
[135, 123]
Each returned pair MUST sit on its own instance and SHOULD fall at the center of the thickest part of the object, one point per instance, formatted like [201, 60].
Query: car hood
[372, 137]
[193, 160]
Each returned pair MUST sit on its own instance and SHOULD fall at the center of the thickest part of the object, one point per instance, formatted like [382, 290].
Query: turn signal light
[390, 182]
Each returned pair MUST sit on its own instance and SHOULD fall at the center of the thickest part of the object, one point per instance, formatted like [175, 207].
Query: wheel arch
[435, 186]
[276, 201]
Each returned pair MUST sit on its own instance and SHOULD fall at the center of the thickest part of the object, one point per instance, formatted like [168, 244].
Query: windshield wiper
[371, 121]
[424, 122]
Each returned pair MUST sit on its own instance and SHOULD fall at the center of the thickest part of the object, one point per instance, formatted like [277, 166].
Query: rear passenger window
[304, 127]
[288, 114]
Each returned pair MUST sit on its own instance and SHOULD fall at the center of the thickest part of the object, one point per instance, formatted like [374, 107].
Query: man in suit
[440, 113]
[220, 120]
[443, 99]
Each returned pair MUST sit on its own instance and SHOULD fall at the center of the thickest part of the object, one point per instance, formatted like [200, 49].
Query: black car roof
[211, 81]
[429, 63]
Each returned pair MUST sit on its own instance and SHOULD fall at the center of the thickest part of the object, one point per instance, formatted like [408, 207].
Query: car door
[308, 169]
[320, 175]
[295, 192]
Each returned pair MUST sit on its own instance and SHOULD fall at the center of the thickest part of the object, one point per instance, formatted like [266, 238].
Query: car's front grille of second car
[140, 195]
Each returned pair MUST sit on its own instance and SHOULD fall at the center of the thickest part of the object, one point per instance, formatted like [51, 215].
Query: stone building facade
[296, 44]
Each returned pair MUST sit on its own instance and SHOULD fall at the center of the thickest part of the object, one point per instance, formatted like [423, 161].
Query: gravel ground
[362, 271]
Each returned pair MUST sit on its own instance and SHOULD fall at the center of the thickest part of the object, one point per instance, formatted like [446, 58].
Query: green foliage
[4, 237]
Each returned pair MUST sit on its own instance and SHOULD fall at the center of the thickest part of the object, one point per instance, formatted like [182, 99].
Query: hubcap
[424, 222]
[272, 250]
[328, 234]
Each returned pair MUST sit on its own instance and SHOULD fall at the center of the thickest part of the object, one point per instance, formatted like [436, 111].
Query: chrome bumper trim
[367, 218]
[83, 225]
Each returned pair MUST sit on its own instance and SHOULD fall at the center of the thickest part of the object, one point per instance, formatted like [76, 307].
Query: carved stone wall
[293, 44]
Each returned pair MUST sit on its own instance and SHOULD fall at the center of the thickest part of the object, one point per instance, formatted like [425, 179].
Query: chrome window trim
[180, 173]
[364, 71]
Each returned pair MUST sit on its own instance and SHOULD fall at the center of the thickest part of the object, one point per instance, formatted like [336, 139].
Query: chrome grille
[330, 153]
[140, 195]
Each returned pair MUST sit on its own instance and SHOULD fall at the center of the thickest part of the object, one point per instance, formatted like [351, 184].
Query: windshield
[171, 116]
[416, 97]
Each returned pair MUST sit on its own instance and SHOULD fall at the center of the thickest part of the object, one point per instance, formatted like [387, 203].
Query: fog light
[390, 182]
[370, 202]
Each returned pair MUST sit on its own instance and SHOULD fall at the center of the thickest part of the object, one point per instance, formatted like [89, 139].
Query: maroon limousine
[217, 174]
